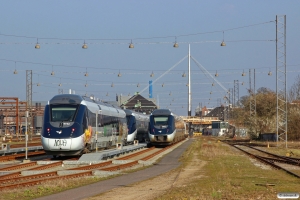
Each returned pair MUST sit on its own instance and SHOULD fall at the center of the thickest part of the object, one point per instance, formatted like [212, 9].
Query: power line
[138, 38]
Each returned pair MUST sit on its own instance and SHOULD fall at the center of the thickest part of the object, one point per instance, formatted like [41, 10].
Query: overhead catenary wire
[163, 74]
[136, 43]
[135, 71]
[137, 38]
[92, 42]
[206, 72]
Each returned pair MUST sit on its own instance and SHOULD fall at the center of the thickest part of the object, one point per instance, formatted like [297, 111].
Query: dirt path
[143, 184]
[152, 188]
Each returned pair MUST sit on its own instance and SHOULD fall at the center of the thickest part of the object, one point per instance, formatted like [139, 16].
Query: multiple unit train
[219, 128]
[165, 128]
[74, 125]
[137, 124]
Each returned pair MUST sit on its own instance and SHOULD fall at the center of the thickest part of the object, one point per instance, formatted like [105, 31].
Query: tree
[294, 111]
[293, 121]
[294, 92]
[265, 119]
[266, 111]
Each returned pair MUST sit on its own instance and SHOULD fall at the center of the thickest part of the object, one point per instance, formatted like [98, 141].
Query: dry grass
[225, 173]
[292, 148]
[47, 188]
[230, 174]
[59, 185]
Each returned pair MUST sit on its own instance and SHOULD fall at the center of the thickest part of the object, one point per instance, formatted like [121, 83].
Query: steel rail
[266, 162]
[20, 166]
[295, 160]
[136, 154]
[48, 176]
[21, 155]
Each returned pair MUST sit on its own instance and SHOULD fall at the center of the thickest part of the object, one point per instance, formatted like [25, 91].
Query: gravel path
[167, 163]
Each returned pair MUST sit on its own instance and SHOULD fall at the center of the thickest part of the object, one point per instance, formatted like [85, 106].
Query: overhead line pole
[281, 85]
[189, 89]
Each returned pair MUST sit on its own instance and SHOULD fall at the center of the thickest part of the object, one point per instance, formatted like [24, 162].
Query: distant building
[202, 112]
[222, 112]
[137, 103]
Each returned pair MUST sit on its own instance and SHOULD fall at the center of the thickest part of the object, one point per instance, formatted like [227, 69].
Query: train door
[87, 130]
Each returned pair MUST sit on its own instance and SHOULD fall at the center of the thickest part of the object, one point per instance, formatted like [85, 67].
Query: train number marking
[60, 143]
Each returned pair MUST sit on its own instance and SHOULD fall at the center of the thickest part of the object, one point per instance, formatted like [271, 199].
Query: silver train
[165, 128]
[137, 124]
[72, 121]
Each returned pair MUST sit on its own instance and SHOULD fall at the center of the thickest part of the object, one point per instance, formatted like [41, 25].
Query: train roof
[74, 99]
[128, 112]
[161, 112]
[137, 115]
[131, 112]
[66, 98]
[105, 108]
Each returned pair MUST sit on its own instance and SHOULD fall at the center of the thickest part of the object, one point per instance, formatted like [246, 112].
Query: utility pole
[29, 97]
[189, 90]
[236, 95]
[281, 92]
[252, 95]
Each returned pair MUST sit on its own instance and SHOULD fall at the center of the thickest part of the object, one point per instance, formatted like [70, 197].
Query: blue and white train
[72, 121]
[165, 128]
[137, 124]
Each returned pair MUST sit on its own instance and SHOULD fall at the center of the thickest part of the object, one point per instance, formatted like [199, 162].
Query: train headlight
[73, 129]
[48, 130]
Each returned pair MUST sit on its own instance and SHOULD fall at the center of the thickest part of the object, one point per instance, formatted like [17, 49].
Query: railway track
[20, 156]
[54, 171]
[270, 159]
[30, 144]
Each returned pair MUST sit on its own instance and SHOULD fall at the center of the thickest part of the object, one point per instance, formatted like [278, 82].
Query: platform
[103, 155]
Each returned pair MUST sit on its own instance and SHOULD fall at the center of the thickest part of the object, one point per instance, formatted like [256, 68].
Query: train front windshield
[61, 113]
[161, 120]
[128, 120]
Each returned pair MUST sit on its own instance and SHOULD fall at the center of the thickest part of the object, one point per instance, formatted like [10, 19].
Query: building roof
[139, 103]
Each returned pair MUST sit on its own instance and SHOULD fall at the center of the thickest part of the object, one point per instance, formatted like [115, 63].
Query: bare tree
[294, 92]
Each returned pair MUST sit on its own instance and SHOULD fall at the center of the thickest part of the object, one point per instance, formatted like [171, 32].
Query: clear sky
[108, 27]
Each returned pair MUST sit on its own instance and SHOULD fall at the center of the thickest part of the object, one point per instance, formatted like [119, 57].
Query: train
[137, 124]
[165, 128]
[219, 128]
[74, 125]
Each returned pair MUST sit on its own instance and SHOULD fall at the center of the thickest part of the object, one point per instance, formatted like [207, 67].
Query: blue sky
[108, 27]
